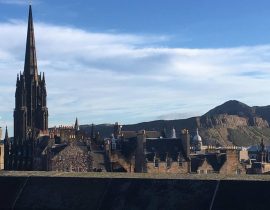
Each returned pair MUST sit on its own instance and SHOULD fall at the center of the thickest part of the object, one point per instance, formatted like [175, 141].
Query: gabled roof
[216, 160]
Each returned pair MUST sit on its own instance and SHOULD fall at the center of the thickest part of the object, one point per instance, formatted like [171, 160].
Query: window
[180, 161]
[238, 171]
[156, 162]
[209, 171]
[200, 171]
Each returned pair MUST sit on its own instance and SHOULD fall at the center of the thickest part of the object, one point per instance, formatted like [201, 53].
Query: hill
[231, 123]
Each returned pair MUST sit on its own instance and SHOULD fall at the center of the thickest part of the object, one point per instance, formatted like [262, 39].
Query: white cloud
[103, 77]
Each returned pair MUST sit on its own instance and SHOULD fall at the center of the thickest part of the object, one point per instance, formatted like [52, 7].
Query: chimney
[185, 138]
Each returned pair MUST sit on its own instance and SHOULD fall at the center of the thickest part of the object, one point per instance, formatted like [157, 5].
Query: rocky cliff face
[233, 114]
[232, 123]
[235, 123]
[224, 120]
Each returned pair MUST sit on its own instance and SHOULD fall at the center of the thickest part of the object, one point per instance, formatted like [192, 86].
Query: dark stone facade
[31, 112]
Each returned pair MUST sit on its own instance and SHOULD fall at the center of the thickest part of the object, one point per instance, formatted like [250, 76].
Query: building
[217, 160]
[66, 149]
[160, 153]
[147, 151]
[163, 155]
[74, 157]
[35, 147]
[260, 164]
[31, 112]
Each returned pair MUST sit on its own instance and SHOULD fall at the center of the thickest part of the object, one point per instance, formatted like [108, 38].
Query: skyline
[136, 74]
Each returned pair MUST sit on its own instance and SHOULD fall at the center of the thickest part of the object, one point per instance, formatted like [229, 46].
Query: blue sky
[189, 23]
[133, 61]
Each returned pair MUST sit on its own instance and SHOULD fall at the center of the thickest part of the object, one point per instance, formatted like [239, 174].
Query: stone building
[70, 150]
[260, 165]
[217, 160]
[161, 154]
[59, 154]
[74, 157]
[31, 112]
[148, 152]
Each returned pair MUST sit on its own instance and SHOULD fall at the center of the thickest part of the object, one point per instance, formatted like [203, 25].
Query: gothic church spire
[30, 64]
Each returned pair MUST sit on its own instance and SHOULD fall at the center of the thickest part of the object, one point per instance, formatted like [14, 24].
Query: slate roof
[164, 147]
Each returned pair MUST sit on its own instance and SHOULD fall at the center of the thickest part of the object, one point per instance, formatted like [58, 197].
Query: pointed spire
[18, 80]
[30, 64]
[43, 77]
[6, 136]
[76, 124]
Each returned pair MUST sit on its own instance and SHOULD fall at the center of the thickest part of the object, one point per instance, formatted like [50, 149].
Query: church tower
[31, 112]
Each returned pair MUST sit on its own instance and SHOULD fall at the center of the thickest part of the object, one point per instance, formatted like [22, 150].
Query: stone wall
[232, 164]
[87, 191]
[129, 166]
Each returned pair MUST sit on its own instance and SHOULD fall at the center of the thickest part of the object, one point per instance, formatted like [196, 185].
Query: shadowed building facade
[31, 112]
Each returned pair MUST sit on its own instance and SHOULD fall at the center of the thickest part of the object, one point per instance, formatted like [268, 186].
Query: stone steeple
[76, 125]
[30, 63]
[31, 112]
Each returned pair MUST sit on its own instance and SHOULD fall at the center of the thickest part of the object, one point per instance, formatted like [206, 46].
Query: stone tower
[31, 112]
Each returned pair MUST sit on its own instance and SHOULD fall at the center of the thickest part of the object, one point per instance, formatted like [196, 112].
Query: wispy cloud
[107, 77]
